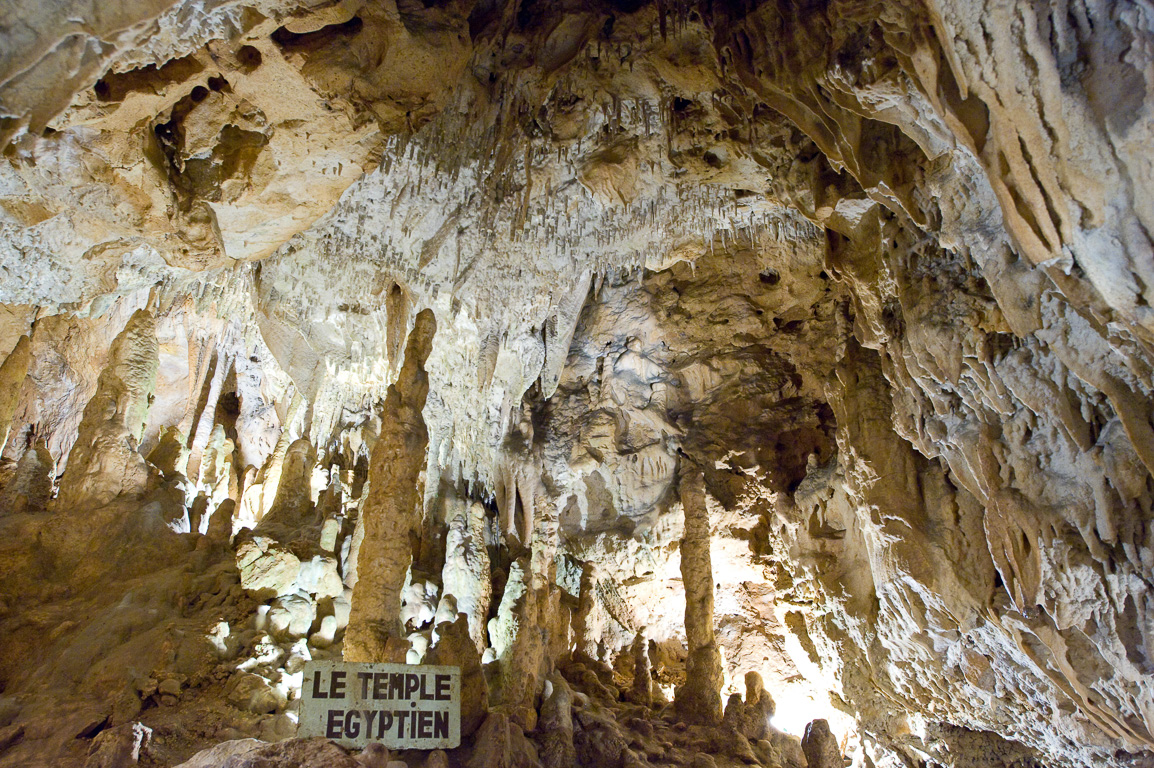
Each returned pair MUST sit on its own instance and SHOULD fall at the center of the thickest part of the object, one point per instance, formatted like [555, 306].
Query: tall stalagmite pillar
[699, 699]
[392, 512]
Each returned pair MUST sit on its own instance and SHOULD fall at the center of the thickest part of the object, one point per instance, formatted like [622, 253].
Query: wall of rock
[493, 334]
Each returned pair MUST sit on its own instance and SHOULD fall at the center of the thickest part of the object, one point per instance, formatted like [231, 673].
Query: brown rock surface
[390, 512]
[814, 339]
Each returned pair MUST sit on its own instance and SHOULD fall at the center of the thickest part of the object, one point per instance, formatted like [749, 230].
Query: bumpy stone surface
[880, 271]
[12, 373]
[391, 510]
[105, 461]
[699, 698]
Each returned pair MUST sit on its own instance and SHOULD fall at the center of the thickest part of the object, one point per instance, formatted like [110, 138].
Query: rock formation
[635, 357]
[699, 698]
[105, 462]
[392, 507]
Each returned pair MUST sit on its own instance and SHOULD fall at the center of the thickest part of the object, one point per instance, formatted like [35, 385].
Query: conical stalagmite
[699, 699]
[392, 511]
[642, 691]
[105, 463]
[466, 575]
[30, 489]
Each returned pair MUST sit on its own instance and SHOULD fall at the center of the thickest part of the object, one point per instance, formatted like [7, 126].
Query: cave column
[392, 511]
[699, 699]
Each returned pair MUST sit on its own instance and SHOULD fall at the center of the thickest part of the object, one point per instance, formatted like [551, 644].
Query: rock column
[392, 510]
[699, 699]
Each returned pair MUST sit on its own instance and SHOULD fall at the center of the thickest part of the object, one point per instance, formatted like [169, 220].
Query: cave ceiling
[505, 300]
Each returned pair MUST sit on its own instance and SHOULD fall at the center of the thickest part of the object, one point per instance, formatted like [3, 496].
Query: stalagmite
[293, 502]
[759, 708]
[104, 462]
[466, 574]
[556, 725]
[820, 746]
[392, 511]
[642, 691]
[699, 699]
[30, 489]
[454, 647]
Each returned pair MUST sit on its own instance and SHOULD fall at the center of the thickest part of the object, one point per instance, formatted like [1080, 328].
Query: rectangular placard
[400, 705]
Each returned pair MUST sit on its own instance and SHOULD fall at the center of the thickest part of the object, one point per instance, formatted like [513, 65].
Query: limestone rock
[254, 694]
[500, 743]
[598, 740]
[375, 755]
[12, 373]
[30, 488]
[454, 647]
[265, 565]
[298, 753]
[217, 755]
[104, 462]
[820, 746]
[813, 338]
[120, 746]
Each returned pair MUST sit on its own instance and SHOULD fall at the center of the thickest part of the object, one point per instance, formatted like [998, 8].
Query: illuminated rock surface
[443, 334]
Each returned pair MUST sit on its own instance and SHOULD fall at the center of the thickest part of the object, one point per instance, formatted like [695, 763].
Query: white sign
[400, 705]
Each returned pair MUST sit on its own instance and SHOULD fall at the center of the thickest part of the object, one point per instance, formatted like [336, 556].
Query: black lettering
[440, 725]
[401, 716]
[352, 725]
[317, 692]
[370, 715]
[364, 677]
[384, 724]
[381, 685]
[333, 727]
[396, 686]
[337, 685]
[411, 683]
[441, 690]
[423, 695]
[424, 721]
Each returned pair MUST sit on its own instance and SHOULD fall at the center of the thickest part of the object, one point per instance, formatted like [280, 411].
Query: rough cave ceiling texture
[500, 307]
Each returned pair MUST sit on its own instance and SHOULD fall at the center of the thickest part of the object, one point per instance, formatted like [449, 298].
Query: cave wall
[879, 270]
